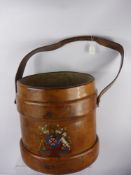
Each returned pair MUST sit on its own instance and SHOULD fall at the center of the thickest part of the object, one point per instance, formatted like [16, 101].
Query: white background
[27, 24]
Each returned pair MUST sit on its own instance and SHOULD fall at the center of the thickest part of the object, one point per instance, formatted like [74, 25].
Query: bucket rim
[24, 81]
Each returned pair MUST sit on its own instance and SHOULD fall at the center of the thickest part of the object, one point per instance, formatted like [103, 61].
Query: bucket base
[60, 165]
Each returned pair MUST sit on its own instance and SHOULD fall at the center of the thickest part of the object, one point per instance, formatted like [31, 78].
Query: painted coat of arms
[54, 139]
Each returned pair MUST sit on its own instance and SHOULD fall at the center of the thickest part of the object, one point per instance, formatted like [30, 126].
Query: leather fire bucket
[58, 114]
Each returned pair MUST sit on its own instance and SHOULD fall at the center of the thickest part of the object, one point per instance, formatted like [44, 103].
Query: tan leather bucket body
[58, 114]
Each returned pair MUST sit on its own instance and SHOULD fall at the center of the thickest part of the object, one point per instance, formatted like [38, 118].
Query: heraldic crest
[54, 139]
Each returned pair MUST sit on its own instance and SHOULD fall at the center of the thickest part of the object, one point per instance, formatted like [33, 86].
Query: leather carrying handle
[99, 40]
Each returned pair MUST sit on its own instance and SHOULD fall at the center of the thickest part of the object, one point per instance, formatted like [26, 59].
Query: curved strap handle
[99, 40]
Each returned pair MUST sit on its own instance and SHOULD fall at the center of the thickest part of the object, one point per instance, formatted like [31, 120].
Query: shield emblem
[53, 143]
